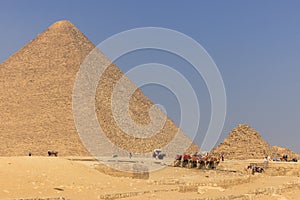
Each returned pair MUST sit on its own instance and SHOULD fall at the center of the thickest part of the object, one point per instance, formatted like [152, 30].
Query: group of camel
[196, 161]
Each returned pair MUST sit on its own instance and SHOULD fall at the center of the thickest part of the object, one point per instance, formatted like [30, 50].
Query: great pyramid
[244, 142]
[36, 99]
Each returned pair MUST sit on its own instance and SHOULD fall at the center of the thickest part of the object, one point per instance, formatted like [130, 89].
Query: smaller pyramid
[284, 151]
[244, 142]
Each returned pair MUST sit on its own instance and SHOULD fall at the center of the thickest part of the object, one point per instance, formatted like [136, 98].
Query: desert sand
[80, 178]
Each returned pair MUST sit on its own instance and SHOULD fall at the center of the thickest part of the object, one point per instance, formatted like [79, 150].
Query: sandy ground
[81, 178]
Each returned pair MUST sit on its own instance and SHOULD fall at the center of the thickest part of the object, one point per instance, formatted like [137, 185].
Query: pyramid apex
[62, 24]
[243, 125]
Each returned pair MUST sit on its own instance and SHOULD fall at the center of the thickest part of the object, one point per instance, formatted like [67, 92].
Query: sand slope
[41, 177]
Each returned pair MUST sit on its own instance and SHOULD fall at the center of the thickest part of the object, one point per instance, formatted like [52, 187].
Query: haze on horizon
[256, 47]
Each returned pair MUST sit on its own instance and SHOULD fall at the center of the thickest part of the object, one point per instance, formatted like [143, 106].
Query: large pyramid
[36, 99]
[244, 142]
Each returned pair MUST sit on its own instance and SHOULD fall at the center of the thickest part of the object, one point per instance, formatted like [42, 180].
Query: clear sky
[255, 44]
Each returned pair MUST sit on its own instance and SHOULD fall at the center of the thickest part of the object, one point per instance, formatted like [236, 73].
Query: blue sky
[255, 44]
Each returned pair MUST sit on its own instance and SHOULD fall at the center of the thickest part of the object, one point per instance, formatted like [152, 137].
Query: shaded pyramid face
[36, 99]
[244, 142]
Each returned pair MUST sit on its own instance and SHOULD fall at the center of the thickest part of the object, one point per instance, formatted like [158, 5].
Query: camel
[196, 162]
[254, 168]
[177, 161]
[54, 153]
